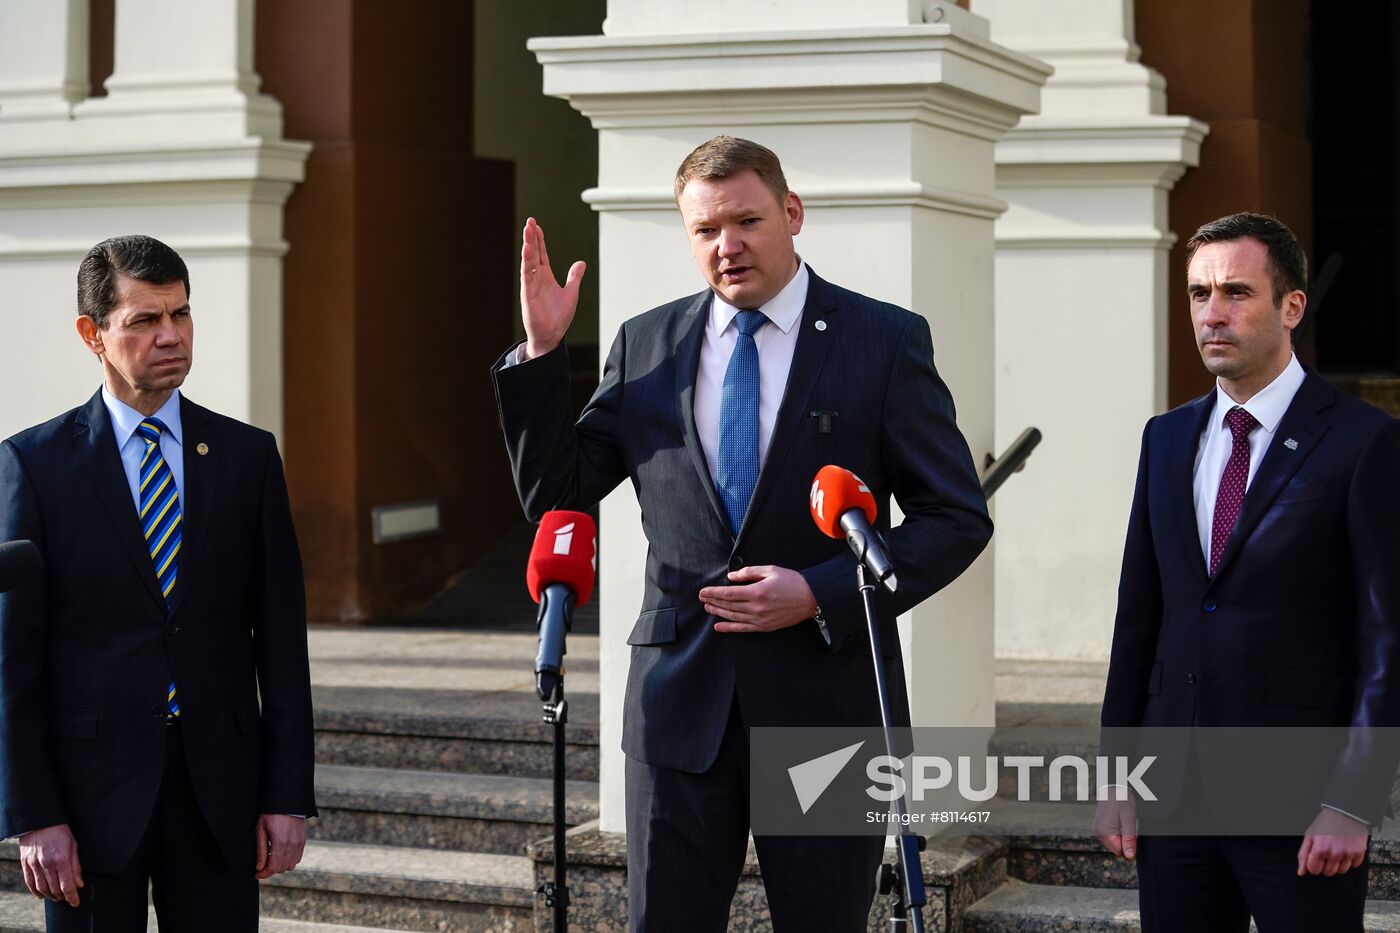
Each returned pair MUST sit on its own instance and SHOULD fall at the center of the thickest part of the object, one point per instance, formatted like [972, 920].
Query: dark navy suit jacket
[894, 426]
[1300, 626]
[87, 650]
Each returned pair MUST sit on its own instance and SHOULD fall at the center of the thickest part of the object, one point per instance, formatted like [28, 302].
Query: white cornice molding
[1152, 151]
[151, 163]
[617, 76]
[907, 194]
[1099, 238]
[30, 250]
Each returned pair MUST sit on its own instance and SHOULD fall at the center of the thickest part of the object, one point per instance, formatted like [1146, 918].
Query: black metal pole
[908, 888]
[556, 893]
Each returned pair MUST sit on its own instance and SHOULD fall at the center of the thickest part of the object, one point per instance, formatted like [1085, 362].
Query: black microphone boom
[555, 620]
[869, 547]
[19, 564]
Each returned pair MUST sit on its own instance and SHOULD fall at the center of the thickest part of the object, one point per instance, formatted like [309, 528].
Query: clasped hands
[49, 856]
[760, 599]
[1333, 845]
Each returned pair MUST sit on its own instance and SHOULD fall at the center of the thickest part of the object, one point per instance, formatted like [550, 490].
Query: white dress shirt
[125, 421]
[1213, 452]
[776, 342]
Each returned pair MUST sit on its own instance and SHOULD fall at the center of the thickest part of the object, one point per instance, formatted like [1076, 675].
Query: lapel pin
[1291, 444]
[203, 449]
[821, 325]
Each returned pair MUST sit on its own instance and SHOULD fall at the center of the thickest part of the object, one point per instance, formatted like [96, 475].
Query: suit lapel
[196, 499]
[1296, 436]
[1182, 474]
[808, 357]
[687, 356]
[96, 447]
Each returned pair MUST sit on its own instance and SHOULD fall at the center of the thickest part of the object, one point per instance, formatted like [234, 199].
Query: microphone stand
[903, 881]
[556, 892]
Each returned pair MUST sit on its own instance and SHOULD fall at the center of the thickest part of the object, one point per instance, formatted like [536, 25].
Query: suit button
[736, 562]
[172, 630]
[1190, 680]
[1209, 605]
[158, 712]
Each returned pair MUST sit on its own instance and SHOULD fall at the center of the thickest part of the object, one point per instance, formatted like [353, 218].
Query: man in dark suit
[1259, 588]
[155, 700]
[720, 408]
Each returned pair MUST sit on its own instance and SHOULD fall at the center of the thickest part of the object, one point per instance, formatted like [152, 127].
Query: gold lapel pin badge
[202, 449]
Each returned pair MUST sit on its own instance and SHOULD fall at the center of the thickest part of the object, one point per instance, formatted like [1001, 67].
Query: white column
[184, 149]
[886, 126]
[1082, 279]
[43, 59]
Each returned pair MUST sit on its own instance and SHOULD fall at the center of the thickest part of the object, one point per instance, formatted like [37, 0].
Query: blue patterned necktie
[738, 421]
[160, 521]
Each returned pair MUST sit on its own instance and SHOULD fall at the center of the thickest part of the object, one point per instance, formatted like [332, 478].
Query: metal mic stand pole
[903, 881]
[556, 892]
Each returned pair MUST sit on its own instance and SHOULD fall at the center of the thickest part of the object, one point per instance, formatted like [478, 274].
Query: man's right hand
[50, 860]
[546, 307]
[1115, 823]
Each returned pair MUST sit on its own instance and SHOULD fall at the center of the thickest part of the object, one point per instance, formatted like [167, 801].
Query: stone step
[1053, 844]
[1018, 907]
[21, 913]
[434, 700]
[405, 888]
[391, 887]
[440, 810]
[478, 732]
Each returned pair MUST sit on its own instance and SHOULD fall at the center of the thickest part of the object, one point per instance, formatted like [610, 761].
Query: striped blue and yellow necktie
[160, 521]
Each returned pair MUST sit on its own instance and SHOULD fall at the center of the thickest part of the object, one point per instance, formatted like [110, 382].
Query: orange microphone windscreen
[836, 491]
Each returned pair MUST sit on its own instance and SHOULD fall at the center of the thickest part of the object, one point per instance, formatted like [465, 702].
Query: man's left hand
[281, 841]
[766, 599]
[1334, 843]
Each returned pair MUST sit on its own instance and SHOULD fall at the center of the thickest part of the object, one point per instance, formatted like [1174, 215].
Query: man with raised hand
[720, 408]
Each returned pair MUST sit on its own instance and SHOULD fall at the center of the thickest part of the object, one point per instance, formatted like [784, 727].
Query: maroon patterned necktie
[1230, 496]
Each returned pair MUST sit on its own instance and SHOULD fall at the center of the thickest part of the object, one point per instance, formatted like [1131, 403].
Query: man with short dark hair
[721, 408]
[1259, 589]
[155, 699]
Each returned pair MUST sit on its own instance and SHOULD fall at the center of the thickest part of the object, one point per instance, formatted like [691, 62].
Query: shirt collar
[1269, 403]
[125, 419]
[783, 310]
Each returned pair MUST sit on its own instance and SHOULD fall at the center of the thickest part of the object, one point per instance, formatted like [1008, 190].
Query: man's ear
[90, 333]
[1294, 304]
[792, 206]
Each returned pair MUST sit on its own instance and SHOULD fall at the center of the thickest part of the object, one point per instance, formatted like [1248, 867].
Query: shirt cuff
[512, 358]
[1366, 823]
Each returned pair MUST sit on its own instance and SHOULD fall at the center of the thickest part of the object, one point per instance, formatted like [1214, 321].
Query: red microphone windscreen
[835, 492]
[565, 551]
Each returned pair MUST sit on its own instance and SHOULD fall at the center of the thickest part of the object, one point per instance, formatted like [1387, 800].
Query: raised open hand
[546, 307]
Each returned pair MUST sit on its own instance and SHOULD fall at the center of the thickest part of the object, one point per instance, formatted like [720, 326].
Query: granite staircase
[433, 779]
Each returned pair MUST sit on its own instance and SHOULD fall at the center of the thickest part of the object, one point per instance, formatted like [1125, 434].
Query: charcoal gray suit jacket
[889, 418]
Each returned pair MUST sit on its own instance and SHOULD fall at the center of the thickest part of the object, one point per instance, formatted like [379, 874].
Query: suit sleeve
[284, 678]
[559, 463]
[1140, 607]
[1362, 780]
[930, 474]
[28, 785]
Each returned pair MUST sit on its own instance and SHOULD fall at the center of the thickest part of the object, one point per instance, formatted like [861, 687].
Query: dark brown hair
[136, 256]
[1288, 264]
